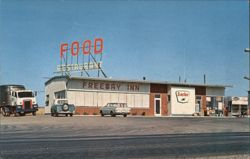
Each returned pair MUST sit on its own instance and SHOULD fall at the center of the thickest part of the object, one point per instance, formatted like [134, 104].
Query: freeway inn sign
[81, 57]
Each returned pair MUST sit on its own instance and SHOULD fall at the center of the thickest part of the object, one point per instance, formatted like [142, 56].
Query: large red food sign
[86, 47]
[75, 49]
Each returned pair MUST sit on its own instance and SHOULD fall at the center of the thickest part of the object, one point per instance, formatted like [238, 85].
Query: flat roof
[135, 81]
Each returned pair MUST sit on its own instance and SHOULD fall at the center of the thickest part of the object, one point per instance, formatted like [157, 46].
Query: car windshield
[117, 105]
[62, 101]
[25, 94]
[123, 105]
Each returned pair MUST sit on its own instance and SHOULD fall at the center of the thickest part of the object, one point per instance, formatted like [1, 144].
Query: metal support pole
[248, 107]
[247, 50]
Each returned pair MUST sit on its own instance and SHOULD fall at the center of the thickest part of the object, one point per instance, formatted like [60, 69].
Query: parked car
[61, 106]
[114, 109]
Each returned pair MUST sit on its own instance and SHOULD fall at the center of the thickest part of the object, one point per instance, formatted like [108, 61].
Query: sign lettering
[79, 67]
[182, 96]
[111, 86]
[86, 47]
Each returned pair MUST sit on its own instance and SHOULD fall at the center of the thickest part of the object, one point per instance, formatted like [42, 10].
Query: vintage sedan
[61, 106]
[114, 109]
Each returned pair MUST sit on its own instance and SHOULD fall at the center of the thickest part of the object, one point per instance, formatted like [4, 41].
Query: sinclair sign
[81, 56]
[182, 96]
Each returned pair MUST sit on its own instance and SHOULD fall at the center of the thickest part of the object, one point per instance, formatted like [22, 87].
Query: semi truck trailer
[15, 99]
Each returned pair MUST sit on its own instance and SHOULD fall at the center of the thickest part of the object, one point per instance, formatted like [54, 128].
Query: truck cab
[25, 101]
[15, 99]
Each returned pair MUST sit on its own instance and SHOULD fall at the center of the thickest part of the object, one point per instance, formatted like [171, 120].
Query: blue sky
[160, 40]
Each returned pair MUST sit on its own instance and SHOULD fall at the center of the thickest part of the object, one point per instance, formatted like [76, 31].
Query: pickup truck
[114, 109]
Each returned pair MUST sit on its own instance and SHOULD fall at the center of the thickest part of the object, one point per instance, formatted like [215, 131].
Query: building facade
[143, 97]
[237, 106]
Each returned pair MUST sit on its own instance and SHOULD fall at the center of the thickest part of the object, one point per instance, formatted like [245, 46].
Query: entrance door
[157, 106]
[198, 106]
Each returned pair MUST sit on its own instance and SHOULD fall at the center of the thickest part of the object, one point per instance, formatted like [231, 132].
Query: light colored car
[114, 109]
[61, 106]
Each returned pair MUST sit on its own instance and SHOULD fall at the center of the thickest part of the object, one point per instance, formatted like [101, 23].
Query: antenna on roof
[204, 78]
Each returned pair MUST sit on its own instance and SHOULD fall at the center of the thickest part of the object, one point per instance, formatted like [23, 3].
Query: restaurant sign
[81, 56]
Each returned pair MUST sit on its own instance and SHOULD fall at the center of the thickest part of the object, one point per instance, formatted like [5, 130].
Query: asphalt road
[97, 137]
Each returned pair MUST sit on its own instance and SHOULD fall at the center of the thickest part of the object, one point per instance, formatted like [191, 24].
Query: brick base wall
[83, 110]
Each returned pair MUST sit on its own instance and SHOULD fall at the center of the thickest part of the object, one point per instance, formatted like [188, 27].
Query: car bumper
[20, 109]
[65, 112]
[121, 113]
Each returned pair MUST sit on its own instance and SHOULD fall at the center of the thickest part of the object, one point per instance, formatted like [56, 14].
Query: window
[169, 98]
[213, 103]
[25, 94]
[60, 95]
[47, 100]
[157, 96]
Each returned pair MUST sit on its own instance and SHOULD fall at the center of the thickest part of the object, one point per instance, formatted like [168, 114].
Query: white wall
[187, 105]
[239, 100]
[92, 93]
[99, 85]
[99, 99]
[50, 89]
[214, 91]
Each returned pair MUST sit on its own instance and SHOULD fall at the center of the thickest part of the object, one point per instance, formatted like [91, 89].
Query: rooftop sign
[85, 47]
[81, 56]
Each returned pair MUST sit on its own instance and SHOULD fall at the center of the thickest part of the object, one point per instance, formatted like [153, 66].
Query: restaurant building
[150, 98]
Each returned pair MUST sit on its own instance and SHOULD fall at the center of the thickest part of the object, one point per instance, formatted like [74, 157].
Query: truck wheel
[5, 112]
[23, 114]
[125, 115]
[16, 114]
[66, 114]
[71, 115]
[56, 114]
[34, 113]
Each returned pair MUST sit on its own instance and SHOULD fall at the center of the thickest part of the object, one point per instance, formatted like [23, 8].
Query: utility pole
[247, 50]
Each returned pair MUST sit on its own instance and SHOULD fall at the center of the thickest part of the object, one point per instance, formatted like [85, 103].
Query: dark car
[62, 107]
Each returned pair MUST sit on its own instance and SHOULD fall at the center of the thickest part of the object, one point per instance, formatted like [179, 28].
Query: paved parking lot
[139, 137]
[99, 126]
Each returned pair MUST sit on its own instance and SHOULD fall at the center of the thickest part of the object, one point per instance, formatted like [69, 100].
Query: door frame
[155, 99]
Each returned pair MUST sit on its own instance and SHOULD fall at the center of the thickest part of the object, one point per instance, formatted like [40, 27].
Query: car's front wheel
[101, 113]
[112, 114]
[125, 115]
